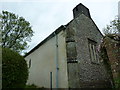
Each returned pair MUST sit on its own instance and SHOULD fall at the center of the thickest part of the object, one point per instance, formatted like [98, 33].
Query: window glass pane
[93, 51]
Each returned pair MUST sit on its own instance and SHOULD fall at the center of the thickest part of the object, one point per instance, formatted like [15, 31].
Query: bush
[14, 69]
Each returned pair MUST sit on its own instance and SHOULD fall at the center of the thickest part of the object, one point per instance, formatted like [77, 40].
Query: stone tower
[81, 9]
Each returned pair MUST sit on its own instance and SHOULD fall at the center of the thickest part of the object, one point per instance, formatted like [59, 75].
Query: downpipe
[56, 58]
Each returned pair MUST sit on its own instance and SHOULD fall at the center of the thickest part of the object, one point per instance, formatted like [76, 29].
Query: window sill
[97, 63]
[72, 61]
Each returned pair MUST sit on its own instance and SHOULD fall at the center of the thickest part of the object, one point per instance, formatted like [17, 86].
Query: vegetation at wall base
[117, 82]
[14, 69]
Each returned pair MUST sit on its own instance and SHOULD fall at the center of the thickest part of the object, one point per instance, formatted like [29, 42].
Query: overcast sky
[45, 16]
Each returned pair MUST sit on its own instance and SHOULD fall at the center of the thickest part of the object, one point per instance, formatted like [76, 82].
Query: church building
[69, 58]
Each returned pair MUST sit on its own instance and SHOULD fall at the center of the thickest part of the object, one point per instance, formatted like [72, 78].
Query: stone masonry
[82, 72]
[111, 44]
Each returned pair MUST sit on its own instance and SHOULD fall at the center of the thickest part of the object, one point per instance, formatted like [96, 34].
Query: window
[29, 63]
[92, 50]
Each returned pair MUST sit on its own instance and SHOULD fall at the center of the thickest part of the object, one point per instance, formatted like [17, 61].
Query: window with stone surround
[93, 51]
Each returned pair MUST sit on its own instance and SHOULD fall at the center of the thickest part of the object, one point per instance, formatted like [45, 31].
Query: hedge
[14, 69]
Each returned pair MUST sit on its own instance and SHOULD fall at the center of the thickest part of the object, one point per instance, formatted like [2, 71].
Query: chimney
[119, 10]
[81, 9]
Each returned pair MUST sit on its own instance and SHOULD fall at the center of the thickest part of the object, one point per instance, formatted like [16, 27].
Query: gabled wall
[83, 73]
[75, 67]
[43, 61]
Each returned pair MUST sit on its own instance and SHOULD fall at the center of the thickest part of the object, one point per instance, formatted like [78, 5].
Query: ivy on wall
[110, 54]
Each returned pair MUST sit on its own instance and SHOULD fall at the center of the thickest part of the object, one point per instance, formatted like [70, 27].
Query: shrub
[14, 69]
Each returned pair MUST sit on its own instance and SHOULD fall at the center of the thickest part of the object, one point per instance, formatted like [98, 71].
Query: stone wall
[81, 9]
[73, 77]
[111, 44]
[82, 72]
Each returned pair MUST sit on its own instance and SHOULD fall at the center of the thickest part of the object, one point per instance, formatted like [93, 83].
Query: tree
[16, 32]
[113, 28]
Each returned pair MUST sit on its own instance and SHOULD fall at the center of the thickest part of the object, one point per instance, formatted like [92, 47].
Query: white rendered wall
[119, 9]
[43, 62]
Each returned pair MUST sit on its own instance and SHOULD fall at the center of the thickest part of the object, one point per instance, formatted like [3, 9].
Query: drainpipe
[56, 58]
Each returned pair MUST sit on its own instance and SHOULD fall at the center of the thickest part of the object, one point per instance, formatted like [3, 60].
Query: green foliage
[16, 31]
[14, 69]
[113, 28]
[104, 56]
[111, 42]
[117, 81]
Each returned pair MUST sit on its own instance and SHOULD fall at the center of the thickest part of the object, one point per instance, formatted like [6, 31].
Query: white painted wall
[0, 67]
[43, 62]
[119, 9]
